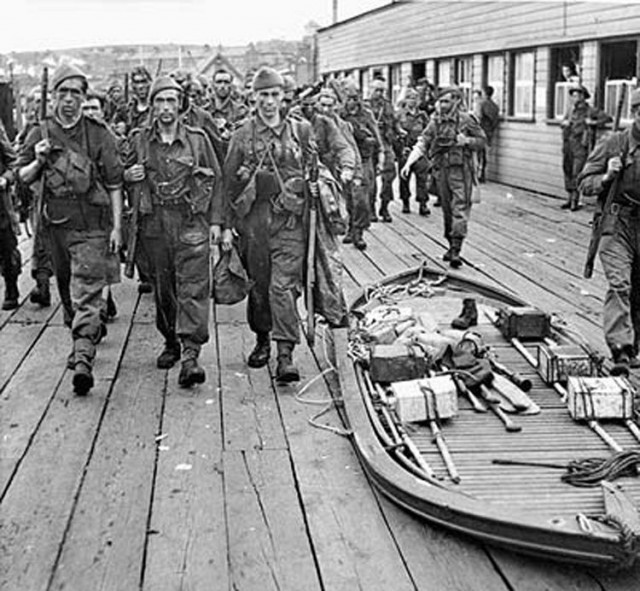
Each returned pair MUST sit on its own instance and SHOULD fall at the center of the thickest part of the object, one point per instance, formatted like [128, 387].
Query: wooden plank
[269, 546]
[187, 546]
[105, 540]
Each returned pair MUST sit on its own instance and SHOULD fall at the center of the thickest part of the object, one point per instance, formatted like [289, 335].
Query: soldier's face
[446, 103]
[222, 86]
[69, 97]
[93, 108]
[352, 102]
[326, 106]
[140, 87]
[269, 101]
[377, 93]
[165, 106]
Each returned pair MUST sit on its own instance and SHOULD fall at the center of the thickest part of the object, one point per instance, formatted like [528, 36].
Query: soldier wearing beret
[449, 141]
[175, 170]
[618, 155]
[81, 211]
[578, 125]
[264, 174]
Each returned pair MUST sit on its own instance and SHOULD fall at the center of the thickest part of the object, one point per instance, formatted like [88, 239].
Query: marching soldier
[181, 211]
[77, 160]
[617, 155]
[449, 141]
[264, 174]
[139, 111]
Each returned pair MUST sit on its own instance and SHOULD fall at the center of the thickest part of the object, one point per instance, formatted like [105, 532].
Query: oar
[495, 407]
[432, 417]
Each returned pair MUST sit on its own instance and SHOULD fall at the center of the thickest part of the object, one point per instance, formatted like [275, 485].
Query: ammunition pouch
[202, 183]
[288, 202]
[266, 184]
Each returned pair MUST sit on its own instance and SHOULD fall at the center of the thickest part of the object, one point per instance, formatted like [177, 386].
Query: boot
[259, 357]
[621, 361]
[358, 240]
[41, 293]
[11, 294]
[286, 371]
[384, 214]
[191, 373]
[111, 310]
[455, 261]
[170, 355]
[567, 204]
[145, 287]
[468, 317]
[423, 209]
[82, 379]
[446, 257]
[348, 237]
[405, 206]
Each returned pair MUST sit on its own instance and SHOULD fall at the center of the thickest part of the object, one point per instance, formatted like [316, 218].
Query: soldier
[367, 137]
[385, 118]
[226, 112]
[488, 115]
[413, 121]
[578, 125]
[175, 169]
[356, 196]
[449, 140]
[617, 155]
[139, 111]
[81, 210]
[10, 260]
[264, 175]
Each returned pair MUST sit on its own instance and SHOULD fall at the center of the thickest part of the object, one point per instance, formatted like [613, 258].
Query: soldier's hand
[42, 148]
[215, 234]
[346, 176]
[135, 173]
[227, 239]
[3, 183]
[405, 172]
[115, 240]
[614, 166]
[462, 140]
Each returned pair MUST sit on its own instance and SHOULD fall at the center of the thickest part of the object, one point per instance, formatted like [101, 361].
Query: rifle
[598, 220]
[311, 193]
[44, 132]
[139, 194]
[126, 89]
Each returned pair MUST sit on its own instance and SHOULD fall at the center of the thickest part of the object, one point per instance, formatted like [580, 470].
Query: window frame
[498, 84]
[518, 85]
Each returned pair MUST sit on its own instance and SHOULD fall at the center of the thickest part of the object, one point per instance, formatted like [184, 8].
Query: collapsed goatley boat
[507, 431]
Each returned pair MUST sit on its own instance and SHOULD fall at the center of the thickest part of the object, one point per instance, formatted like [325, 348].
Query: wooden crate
[600, 398]
[411, 398]
[557, 364]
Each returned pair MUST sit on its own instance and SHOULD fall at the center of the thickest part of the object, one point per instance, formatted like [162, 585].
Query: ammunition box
[395, 363]
[557, 364]
[411, 399]
[523, 323]
[599, 398]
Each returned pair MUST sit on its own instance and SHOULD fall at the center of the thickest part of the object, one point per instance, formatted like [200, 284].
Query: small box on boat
[395, 363]
[523, 323]
[599, 398]
[557, 364]
[411, 398]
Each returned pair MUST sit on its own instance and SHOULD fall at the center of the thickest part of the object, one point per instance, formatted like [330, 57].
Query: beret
[267, 78]
[163, 83]
[66, 71]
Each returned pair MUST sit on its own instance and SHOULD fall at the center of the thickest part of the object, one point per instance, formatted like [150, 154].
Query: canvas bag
[230, 283]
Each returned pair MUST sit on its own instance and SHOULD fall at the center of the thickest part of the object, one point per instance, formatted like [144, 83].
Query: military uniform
[264, 173]
[620, 243]
[184, 198]
[453, 170]
[414, 123]
[576, 135]
[82, 166]
[10, 261]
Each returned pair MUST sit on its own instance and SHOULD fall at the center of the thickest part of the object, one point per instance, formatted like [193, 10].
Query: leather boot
[358, 240]
[447, 255]
[455, 261]
[191, 373]
[468, 317]
[259, 357]
[621, 361]
[405, 206]
[82, 379]
[348, 237]
[170, 355]
[423, 209]
[11, 294]
[111, 309]
[41, 293]
[568, 202]
[286, 371]
[384, 214]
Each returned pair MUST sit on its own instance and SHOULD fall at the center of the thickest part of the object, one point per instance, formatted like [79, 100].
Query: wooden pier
[143, 485]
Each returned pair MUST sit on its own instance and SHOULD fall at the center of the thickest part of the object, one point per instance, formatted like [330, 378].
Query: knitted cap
[267, 78]
[66, 71]
[163, 83]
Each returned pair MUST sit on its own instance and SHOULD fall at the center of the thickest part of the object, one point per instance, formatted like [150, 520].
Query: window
[619, 67]
[565, 69]
[521, 84]
[418, 71]
[463, 71]
[443, 73]
[494, 77]
[395, 83]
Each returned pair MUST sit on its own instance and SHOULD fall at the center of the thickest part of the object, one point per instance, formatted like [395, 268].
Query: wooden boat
[526, 508]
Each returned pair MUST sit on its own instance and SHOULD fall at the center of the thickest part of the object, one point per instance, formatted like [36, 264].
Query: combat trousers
[273, 247]
[454, 189]
[420, 170]
[10, 260]
[357, 200]
[387, 175]
[574, 156]
[177, 244]
[620, 257]
[41, 263]
[80, 265]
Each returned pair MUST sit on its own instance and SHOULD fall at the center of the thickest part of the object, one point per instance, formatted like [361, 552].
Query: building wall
[526, 152]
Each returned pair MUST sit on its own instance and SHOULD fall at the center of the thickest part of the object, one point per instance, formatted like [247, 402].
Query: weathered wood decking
[142, 485]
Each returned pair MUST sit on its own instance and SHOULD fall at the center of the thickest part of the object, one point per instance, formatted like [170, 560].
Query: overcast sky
[57, 24]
